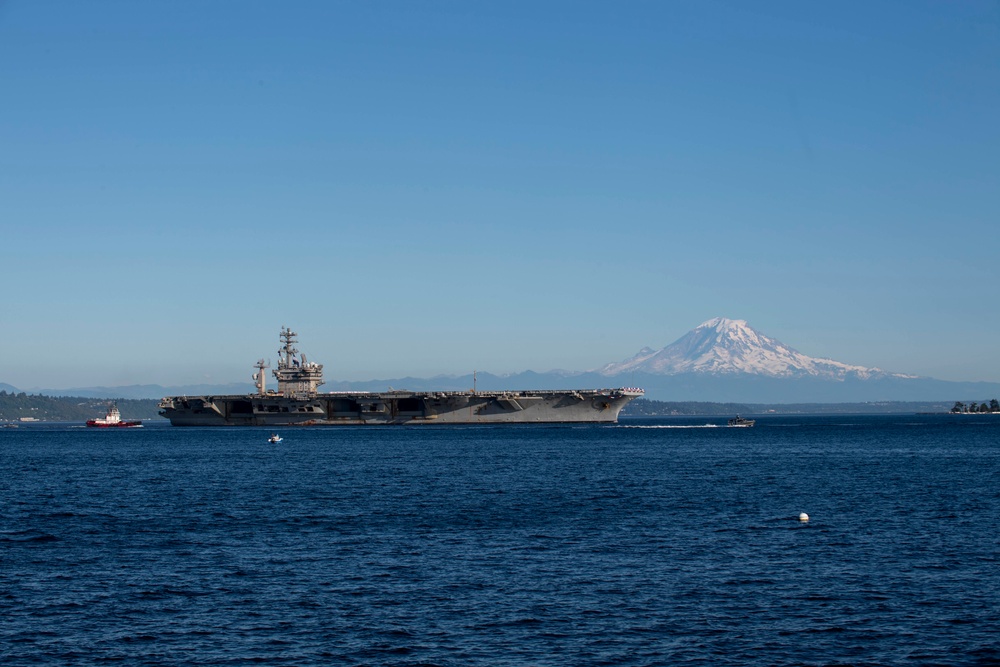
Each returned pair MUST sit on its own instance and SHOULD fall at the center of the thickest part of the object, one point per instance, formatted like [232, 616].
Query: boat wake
[668, 426]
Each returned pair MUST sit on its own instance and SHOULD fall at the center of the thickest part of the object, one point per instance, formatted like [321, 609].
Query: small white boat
[274, 438]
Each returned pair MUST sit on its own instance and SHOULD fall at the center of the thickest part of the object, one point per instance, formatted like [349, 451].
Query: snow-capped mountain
[728, 347]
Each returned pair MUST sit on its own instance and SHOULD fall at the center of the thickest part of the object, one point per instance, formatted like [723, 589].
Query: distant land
[141, 391]
[646, 408]
[15, 407]
[720, 361]
[18, 406]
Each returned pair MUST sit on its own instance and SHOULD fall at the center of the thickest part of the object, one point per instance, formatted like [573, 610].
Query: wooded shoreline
[21, 406]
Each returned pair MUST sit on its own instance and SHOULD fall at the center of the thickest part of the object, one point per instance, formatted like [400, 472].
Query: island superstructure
[298, 401]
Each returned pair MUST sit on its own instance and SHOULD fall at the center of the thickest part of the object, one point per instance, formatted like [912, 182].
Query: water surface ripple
[628, 545]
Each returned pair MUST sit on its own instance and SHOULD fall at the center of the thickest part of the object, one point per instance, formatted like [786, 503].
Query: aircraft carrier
[298, 402]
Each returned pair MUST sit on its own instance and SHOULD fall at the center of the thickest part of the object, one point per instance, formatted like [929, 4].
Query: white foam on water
[669, 426]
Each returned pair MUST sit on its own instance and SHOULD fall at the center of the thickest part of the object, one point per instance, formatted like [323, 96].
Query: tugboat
[113, 420]
[740, 421]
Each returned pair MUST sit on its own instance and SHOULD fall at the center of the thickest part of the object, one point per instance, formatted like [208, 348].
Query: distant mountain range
[139, 391]
[721, 360]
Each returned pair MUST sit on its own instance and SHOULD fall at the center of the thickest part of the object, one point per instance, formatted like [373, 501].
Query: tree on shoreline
[973, 407]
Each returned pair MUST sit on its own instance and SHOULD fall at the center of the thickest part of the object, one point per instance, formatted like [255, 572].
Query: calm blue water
[651, 543]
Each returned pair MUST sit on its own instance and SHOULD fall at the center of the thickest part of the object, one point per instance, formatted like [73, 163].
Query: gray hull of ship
[385, 408]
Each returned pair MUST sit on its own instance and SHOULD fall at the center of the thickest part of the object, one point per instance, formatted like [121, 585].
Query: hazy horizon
[424, 189]
[550, 371]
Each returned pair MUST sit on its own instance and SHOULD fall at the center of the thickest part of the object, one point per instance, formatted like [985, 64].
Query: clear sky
[436, 187]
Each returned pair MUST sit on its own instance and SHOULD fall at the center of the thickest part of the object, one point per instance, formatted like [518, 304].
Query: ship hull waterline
[400, 408]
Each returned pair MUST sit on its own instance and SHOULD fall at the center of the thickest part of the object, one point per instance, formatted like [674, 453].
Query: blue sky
[436, 187]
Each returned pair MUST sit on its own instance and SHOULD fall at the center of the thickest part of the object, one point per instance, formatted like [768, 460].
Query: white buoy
[803, 517]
